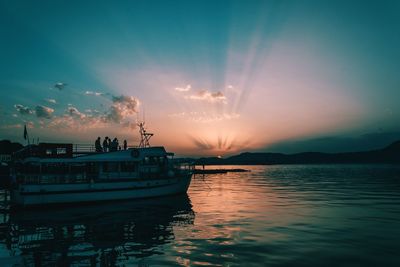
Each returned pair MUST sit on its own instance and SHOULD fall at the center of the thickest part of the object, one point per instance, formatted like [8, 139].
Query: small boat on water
[50, 173]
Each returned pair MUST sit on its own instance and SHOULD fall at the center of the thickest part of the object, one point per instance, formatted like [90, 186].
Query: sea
[278, 215]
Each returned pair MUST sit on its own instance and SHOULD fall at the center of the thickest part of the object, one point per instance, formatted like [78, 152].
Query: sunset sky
[210, 77]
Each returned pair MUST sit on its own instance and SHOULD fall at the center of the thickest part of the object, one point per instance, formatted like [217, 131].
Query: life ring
[135, 153]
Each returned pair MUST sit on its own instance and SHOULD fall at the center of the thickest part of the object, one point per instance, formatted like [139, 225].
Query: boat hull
[32, 195]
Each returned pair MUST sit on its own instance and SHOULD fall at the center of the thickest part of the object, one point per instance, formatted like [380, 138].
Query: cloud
[60, 85]
[183, 89]
[11, 126]
[74, 112]
[44, 112]
[202, 112]
[65, 122]
[114, 114]
[23, 110]
[128, 103]
[122, 107]
[205, 95]
[130, 125]
[205, 117]
[120, 112]
[51, 101]
[94, 93]
[73, 119]
[30, 124]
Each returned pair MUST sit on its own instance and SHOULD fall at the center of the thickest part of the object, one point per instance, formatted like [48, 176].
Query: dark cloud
[114, 114]
[74, 112]
[120, 112]
[122, 107]
[60, 86]
[129, 104]
[23, 110]
[44, 112]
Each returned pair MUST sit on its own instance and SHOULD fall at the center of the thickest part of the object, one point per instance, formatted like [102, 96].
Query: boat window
[110, 167]
[19, 167]
[113, 167]
[77, 168]
[146, 160]
[105, 166]
[61, 150]
[127, 166]
[32, 168]
[91, 167]
[54, 168]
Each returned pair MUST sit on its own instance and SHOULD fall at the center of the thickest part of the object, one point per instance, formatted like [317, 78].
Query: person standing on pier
[125, 145]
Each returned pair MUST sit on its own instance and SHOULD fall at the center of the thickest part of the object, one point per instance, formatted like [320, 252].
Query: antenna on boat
[144, 115]
[144, 136]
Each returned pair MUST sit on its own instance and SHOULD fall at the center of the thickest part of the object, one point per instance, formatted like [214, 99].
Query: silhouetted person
[97, 145]
[114, 144]
[109, 144]
[105, 144]
[125, 145]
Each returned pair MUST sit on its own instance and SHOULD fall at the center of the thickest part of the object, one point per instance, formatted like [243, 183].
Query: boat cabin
[55, 164]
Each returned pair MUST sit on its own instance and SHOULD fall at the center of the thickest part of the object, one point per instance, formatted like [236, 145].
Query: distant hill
[389, 154]
[335, 144]
[8, 147]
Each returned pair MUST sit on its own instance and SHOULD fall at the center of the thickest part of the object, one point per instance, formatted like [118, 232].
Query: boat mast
[144, 136]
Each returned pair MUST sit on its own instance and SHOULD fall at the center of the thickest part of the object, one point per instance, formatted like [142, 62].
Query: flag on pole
[25, 132]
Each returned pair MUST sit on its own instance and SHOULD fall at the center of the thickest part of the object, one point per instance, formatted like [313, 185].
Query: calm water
[321, 215]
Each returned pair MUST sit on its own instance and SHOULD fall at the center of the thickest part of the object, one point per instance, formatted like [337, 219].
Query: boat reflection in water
[100, 234]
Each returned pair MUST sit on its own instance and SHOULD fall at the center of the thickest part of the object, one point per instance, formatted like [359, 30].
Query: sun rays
[214, 77]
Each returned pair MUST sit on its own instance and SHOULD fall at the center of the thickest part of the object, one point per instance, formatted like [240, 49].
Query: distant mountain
[336, 144]
[389, 154]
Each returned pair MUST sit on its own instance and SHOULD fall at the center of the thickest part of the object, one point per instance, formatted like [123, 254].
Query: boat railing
[83, 148]
[54, 179]
[80, 149]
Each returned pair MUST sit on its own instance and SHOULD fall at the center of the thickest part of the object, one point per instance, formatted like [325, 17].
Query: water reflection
[103, 234]
[290, 215]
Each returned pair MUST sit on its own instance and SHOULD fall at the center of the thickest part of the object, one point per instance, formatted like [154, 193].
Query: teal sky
[211, 77]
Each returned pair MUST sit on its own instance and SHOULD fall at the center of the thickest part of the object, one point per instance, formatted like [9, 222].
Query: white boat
[50, 173]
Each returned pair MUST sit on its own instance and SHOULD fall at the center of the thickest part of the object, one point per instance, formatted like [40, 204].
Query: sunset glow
[209, 78]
